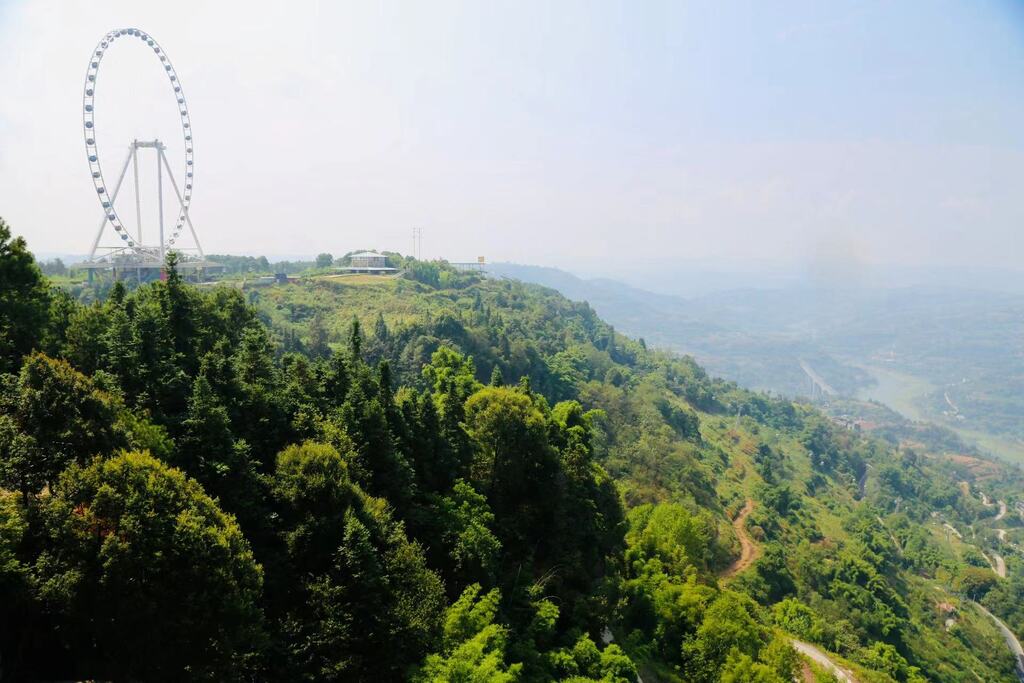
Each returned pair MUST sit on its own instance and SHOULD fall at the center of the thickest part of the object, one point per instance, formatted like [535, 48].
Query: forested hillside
[441, 477]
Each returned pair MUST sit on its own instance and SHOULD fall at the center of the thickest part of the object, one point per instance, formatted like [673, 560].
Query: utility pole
[417, 243]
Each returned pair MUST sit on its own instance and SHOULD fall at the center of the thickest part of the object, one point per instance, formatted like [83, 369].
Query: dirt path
[748, 550]
[819, 656]
[1002, 510]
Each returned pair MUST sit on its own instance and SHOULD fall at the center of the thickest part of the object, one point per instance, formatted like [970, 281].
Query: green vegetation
[443, 477]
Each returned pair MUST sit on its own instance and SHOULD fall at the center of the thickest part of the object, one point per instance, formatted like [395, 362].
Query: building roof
[367, 254]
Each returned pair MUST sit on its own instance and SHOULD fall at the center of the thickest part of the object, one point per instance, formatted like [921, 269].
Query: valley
[911, 348]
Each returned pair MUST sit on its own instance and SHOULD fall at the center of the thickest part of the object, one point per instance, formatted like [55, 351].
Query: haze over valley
[947, 355]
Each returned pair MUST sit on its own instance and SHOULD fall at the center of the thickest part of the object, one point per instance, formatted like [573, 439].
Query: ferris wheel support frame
[181, 202]
[113, 197]
[162, 164]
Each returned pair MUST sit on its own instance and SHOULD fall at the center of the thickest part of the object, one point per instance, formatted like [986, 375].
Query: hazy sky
[576, 134]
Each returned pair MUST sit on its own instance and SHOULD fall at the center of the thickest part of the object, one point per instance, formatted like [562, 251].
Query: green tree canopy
[24, 300]
[147, 576]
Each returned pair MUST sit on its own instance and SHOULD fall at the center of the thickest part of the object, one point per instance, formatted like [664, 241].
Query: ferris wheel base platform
[143, 269]
[132, 264]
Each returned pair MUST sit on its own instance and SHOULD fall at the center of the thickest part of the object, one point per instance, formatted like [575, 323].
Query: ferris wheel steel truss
[132, 247]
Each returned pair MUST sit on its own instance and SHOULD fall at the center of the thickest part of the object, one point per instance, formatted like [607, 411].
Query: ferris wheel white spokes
[133, 243]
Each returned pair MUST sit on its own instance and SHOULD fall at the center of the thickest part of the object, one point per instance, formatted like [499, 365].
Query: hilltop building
[480, 265]
[369, 262]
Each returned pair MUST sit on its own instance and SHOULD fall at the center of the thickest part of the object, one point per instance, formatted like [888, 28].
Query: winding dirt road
[748, 549]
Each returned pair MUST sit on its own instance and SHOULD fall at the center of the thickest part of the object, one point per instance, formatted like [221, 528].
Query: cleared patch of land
[357, 279]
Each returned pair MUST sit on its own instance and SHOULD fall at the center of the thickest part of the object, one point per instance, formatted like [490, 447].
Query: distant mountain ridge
[753, 357]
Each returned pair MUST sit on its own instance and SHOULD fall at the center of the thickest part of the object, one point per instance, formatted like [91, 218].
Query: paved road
[819, 656]
[997, 563]
[818, 379]
[1011, 641]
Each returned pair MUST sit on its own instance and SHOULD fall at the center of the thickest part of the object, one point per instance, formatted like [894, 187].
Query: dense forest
[448, 477]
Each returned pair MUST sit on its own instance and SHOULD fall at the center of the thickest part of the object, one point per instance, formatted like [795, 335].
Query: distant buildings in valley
[853, 424]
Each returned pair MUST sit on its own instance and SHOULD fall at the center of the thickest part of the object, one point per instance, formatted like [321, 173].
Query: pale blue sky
[569, 133]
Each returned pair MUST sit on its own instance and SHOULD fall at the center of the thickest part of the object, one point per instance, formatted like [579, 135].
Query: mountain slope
[442, 477]
[671, 433]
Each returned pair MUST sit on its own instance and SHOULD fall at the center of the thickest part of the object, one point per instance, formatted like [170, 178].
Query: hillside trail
[748, 549]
